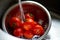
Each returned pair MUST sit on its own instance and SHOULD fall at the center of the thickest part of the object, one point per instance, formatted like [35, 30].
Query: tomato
[27, 26]
[18, 32]
[28, 35]
[31, 21]
[15, 22]
[38, 30]
[29, 15]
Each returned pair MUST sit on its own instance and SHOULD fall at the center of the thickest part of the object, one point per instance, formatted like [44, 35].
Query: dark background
[52, 5]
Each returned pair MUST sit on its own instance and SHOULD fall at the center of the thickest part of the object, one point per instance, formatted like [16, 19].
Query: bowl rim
[12, 7]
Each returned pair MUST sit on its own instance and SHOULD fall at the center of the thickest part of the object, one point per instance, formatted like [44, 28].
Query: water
[22, 12]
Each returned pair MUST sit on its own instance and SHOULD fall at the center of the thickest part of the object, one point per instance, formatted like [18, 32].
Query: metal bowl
[29, 2]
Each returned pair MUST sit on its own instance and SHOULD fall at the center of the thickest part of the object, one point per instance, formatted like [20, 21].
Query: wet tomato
[29, 15]
[28, 35]
[27, 26]
[27, 29]
[18, 32]
[15, 22]
[38, 30]
[31, 21]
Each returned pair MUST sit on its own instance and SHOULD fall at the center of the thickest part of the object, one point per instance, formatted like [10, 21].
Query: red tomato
[28, 35]
[18, 32]
[31, 21]
[38, 30]
[27, 26]
[28, 15]
[15, 22]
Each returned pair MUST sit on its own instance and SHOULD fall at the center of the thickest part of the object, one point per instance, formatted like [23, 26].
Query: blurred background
[52, 5]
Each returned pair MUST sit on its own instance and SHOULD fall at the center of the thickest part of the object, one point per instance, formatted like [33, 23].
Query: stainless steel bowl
[32, 2]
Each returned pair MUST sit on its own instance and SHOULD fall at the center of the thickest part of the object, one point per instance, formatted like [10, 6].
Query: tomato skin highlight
[18, 32]
[15, 22]
[31, 21]
[27, 26]
[28, 35]
[38, 30]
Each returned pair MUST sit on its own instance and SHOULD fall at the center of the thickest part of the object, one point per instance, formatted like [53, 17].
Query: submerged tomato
[28, 35]
[15, 22]
[18, 32]
[38, 30]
